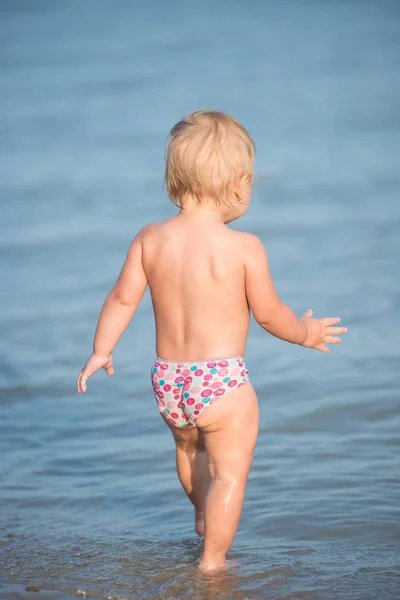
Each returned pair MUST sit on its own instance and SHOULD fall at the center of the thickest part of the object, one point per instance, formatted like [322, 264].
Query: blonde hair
[207, 153]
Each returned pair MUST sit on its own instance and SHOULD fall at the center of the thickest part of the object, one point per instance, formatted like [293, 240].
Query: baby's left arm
[118, 309]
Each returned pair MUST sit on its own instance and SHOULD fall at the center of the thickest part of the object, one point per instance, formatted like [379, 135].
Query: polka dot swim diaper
[184, 389]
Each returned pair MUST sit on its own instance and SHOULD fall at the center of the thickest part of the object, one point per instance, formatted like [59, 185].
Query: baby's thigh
[230, 428]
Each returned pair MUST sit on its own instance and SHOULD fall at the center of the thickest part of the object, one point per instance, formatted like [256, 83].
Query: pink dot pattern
[184, 390]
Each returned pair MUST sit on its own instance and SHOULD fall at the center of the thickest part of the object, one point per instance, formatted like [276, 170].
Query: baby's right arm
[275, 316]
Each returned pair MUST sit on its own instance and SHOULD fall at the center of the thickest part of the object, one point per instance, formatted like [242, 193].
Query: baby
[204, 279]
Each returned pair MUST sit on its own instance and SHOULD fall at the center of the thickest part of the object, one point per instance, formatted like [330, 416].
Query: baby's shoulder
[142, 238]
[147, 232]
[248, 241]
[150, 228]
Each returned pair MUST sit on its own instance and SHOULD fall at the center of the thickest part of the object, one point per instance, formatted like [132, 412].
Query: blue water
[90, 505]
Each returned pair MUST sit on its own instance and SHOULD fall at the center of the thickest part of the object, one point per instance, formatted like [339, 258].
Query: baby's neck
[204, 211]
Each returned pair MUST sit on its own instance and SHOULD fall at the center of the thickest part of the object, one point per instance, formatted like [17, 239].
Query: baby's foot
[215, 567]
[199, 521]
[211, 567]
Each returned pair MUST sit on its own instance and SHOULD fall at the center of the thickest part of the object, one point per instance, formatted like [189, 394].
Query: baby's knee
[235, 469]
[190, 446]
[230, 477]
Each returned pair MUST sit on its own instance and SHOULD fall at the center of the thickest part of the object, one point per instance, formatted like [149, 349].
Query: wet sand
[22, 592]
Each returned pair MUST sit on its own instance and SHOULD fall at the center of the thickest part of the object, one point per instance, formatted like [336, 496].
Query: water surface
[90, 504]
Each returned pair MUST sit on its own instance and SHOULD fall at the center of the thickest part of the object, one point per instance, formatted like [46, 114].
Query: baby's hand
[94, 363]
[320, 331]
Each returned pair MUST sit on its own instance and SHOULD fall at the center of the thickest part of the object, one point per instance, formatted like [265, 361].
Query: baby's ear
[238, 190]
[244, 180]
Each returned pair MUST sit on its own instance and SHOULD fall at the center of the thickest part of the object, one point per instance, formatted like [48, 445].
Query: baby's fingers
[335, 330]
[81, 383]
[331, 339]
[82, 379]
[322, 348]
[330, 321]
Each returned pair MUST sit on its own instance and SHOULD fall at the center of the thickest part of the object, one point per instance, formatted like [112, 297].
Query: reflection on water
[90, 504]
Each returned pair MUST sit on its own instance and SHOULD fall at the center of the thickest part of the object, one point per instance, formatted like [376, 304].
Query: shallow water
[90, 504]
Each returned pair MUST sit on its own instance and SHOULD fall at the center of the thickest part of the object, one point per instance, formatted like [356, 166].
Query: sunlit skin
[203, 279]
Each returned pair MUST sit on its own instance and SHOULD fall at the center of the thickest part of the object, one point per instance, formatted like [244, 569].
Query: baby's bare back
[196, 275]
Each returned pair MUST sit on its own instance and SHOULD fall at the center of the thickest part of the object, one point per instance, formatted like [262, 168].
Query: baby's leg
[230, 428]
[192, 467]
